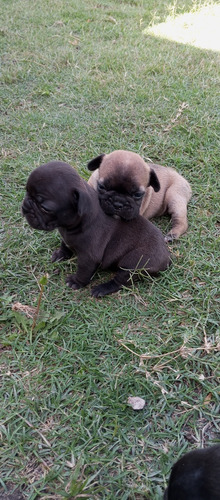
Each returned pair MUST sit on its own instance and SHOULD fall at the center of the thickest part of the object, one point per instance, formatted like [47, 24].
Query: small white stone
[136, 402]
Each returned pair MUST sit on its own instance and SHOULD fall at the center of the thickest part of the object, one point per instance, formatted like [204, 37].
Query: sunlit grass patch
[199, 28]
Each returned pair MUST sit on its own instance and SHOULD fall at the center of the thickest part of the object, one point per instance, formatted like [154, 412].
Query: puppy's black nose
[25, 207]
[117, 204]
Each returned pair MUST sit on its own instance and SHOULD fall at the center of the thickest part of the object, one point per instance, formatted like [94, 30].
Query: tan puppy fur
[132, 186]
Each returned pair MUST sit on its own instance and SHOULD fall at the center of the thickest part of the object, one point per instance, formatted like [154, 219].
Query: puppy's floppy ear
[96, 162]
[154, 181]
[81, 200]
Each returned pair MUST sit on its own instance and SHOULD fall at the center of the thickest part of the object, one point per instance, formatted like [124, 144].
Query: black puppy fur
[57, 197]
[196, 476]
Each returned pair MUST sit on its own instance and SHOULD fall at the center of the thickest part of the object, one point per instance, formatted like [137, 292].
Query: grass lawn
[80, 78]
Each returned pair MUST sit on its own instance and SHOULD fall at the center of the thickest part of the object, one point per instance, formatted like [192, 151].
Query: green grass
[80, 78]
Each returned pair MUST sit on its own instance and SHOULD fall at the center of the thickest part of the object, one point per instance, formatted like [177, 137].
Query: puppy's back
[141, 242]
[196, 476]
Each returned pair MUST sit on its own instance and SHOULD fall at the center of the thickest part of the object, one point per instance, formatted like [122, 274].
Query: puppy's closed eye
[43, 205]
[46, 206]
[45, 209]
[101, 186]
[138, 195]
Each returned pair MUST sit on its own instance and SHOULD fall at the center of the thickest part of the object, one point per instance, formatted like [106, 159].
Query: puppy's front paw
[170, 237]
[71, 282]
[105, 289]
[60, 254]
[99, 291]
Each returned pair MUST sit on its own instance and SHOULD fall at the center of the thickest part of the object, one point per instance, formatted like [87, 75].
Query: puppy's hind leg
[122, 278]
[177, 208]
[176, 200]
[62, 253]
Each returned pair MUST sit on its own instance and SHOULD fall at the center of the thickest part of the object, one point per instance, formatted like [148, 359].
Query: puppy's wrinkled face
[122, 183]
[39, 211]
[50, 200]
[120, 197]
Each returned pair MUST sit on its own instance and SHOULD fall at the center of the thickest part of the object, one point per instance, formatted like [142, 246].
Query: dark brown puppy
[57, 197]
[128, 186]
[196, 476]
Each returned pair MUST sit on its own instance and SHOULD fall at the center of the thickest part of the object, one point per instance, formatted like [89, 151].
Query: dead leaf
[27, 310]
[74, 42]
[208, 398]
[183, 106]
[185, 352]
[58, 23]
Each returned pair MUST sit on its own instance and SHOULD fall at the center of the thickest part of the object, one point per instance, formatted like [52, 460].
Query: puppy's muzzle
[127, 209]
[117, 204]
[26, 207]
